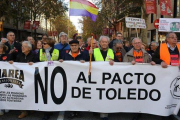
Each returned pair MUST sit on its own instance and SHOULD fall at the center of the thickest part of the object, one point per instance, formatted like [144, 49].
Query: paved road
[12, 115]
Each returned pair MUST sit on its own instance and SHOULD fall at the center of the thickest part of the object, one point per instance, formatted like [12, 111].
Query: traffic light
[1, 26]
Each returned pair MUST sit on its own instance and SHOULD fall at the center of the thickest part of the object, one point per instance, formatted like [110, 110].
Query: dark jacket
[31, 57]
[4, 57]
[17, 51]
[49, 52]
[81, 56]
[156, 56]
[111, 43]
[123, 52]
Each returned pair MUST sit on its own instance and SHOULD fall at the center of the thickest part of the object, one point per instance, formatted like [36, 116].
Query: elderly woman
[27, 56]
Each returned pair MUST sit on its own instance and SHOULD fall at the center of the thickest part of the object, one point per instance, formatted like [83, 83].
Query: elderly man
[62, 45]
[119, 36]
[4, 40]
[168, 53]
[136, 54]
[75, 53]
[119, 51]
[14, 47]
[104, 53]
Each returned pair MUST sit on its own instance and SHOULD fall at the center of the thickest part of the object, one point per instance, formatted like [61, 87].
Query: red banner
[35, 25]
[27, 25]
[151, 6]
[165, 7]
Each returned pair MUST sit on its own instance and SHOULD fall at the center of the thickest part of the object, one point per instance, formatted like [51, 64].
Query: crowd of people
[116, 50]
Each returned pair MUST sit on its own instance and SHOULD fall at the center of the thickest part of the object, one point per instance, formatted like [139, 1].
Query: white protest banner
[65, 86]
[135, 22]
[169, 25]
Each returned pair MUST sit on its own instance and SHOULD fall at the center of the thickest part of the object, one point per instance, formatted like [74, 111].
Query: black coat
[31, 57]
[82, 56]
[4, 57]
[17, 51]
[156, 56]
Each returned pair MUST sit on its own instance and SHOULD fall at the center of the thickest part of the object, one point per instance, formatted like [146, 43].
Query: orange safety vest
[165, 55]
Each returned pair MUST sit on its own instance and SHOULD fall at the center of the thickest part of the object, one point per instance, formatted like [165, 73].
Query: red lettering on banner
[174, 60]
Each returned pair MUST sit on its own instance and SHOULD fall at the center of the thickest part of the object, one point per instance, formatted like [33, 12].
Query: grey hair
[102, 36]
[62, 34]
[156, 43]
[167, 35]
[4, 39]
[28, 43]
[117, 42]
[136, 38]
[9, 32]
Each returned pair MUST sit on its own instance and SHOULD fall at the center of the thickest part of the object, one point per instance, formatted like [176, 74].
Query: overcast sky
[75, 19]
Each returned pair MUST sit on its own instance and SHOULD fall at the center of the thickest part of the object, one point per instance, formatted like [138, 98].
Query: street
[37, 115]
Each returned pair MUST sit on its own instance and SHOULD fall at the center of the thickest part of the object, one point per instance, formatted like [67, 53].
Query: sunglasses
[44, 43]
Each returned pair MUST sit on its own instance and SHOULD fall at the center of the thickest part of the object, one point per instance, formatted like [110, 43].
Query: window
[152, 18]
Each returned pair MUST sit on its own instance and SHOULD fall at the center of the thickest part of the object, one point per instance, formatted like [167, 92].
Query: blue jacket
[59, 46]
[82, 56]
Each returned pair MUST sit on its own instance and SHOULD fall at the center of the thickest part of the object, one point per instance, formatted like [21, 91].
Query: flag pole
[69, 19]
[156, 18]
[89, 73]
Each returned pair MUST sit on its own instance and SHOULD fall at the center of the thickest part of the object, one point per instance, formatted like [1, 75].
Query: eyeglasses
[44, 43]
[11, 35]
[173, 37]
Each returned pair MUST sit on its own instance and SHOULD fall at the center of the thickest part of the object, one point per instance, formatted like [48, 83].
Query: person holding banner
[27, 56]
[75, 53]
[168, 53]
[137, 54]
[103, 53]
[48, 53]
[119, 51]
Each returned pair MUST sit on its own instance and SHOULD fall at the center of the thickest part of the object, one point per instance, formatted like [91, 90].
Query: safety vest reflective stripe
[98, 56]
[165, 55]
[55, 55]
